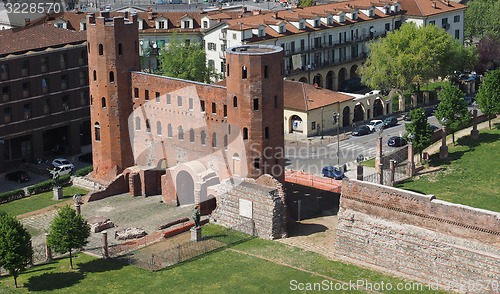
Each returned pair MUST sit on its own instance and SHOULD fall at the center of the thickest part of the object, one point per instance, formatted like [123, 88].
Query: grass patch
[469, 175]
[39, 201]
[369, 163]
[225, 271]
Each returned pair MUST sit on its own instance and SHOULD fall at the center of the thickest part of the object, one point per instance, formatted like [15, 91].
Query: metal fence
[162, 258]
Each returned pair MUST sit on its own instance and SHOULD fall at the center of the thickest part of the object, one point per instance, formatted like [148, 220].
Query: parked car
[61, 161]
[361, 130]
[396, 141]
[429, 111]
[468, 100]
[332, 172]
[390, 121]
[18, 176]
[406, 117]
[62, 169]
[375, 125]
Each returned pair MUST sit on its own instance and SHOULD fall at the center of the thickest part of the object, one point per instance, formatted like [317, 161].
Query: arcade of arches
[328, 78]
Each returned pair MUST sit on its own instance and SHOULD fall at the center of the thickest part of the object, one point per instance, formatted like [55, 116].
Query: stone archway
[330, 76]
[303, 80]
[401, 100]
[295, 124]
[378, 107]
[359, 113]
[184, 188]
[342, 77]
[346, 116]
[318, 80]
[352, 71]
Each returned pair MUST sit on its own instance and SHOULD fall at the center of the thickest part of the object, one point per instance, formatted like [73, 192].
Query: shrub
[48, 185]
[84, 171]
[11, 195]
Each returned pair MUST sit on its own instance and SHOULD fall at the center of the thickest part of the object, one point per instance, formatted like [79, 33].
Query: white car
[61, 161]
[375, 124]
[62, 170]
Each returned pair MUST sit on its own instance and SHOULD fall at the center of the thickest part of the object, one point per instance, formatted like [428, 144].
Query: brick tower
[254, 81]
[112, 54]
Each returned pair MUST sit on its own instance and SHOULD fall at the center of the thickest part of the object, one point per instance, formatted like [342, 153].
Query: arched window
[158, 128]
[103, 102]
[235, 101]
[243, 72]
[97, 131]
[266, 133]
[148, 126]
[137, 123]
[101, 49]
[120, 50]
[91, 100]
[181, 133]
[203, 138]
[245, 133]
[227, 68]
[191, 135]
[169, 130]
[214, 139]
[266, 71]
[111, 77]
[255, 103]
[95, 76]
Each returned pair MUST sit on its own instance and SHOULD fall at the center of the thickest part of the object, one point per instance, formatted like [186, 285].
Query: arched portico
[353, 71]
[346, 116]
[295, 124]
[359, 113]
[330, 78]
[401, 104]
[342, 77]
[318, 80]
[378, 107]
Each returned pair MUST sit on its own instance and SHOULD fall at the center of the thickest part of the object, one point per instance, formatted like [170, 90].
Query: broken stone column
[378, 157]
[414, 99]
[392, 164]
[474, 133]
[77, 208]
[380, 174]
[105, 252]
[48, 251]
[443, 150]
[359, 172]
[410, 166]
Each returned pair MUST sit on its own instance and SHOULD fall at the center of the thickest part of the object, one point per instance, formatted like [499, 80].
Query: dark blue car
[332, 172]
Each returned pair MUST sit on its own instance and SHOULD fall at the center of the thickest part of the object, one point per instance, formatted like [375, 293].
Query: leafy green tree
[418, 131]
[481, 19]
[488, 95]
[412, 56]
[185, 60]
[452, 110]
[489, 54]
[68, 231]
[15, 246]
[306, 3]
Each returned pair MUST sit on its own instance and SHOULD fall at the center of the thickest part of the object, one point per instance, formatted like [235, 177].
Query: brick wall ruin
[419, 237]
[255, 207]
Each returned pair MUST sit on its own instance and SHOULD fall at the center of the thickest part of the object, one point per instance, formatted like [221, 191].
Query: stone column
[380, 174]
[392, 164]
[414, 99]
[378, 157]
[410, 166]
[359, 172]
[474, 133]
[48, 251]
[77, 208]
[443, 150]
[196, 234]
[426, 97]
[105, 252]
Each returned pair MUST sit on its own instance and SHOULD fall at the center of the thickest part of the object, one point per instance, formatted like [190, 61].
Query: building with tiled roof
[44, 94]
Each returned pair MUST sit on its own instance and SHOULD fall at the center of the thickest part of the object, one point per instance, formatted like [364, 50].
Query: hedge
[84, 171]
[11, 195]
[47, 185]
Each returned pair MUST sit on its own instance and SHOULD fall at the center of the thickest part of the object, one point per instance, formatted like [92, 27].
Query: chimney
[27, 21]
[244, 9]
[256, 12]
[447, 2]
[276, 14]
[150, 14]
[434, 5]
[77, 11]
[126, 15]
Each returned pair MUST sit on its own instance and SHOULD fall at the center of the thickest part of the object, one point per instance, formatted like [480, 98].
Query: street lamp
[322, 124]
[336, 121]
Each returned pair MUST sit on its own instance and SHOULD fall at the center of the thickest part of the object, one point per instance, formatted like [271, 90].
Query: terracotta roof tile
[304, 97]
[37, 37]
[426, 7]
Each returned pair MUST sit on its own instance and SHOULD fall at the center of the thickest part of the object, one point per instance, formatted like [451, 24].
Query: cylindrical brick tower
[254, 81]
[113, 52]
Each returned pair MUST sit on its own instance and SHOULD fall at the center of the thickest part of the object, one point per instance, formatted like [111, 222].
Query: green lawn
[253, 266]
[469, 176]
[39, 201]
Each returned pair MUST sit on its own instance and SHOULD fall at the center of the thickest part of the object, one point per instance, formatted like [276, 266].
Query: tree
[418, 131]
[488, 95]
[306, 3]
[481, 19]
[412, 56]
[15, 246]
[68, 231]
[184, 60]
[489, 54]
[452, 110]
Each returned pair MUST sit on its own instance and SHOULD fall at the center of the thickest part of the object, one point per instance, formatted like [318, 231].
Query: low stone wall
[419, 237]
[117, 186]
